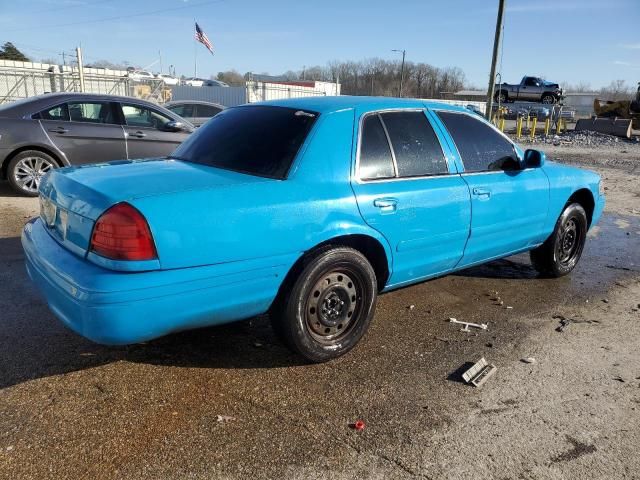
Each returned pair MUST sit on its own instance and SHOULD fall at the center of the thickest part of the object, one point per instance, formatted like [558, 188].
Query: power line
[119, 17]
[63, 7]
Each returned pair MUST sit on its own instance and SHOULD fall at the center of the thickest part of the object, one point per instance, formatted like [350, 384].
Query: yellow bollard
[533, 127]
[502, 124]
[519, 127]
[547, 125]
[559, 126]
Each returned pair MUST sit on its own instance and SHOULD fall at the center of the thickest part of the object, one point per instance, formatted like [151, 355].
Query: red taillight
[122, 233]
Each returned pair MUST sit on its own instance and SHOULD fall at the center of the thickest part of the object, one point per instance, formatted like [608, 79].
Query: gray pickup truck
[530, 89]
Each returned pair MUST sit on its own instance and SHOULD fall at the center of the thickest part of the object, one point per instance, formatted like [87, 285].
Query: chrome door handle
[138, 134]
[386, 205]
[59, 130]
[482, 192]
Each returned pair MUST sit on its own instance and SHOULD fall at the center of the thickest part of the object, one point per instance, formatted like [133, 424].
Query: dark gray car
[53, 130]
[195, 111]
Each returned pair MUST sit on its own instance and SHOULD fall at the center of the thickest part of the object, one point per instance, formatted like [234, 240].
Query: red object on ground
[359, 425]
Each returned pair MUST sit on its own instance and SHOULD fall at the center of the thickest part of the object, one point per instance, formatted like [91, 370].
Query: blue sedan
[304, 208]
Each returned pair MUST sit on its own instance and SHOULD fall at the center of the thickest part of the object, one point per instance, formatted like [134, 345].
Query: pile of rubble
[582, 138]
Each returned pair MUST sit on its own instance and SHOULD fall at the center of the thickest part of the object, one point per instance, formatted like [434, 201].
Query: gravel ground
[73, 409]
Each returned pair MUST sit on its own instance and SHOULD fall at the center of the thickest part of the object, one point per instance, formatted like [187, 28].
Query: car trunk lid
[73, 198]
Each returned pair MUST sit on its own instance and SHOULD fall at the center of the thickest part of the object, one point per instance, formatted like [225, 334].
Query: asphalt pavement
[232, 402]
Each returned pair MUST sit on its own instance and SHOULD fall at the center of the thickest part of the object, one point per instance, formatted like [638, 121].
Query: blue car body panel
[115, 308]
[227, 240]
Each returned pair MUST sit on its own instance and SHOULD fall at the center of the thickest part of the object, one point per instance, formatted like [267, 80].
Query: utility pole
[404, 52]
[80, 68]
[494, 60]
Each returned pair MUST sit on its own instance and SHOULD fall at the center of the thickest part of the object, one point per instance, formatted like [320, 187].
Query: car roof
[330, 104]
[197, 102]
[34, 104]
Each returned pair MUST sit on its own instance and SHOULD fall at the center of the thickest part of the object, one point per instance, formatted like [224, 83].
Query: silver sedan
[54, 130]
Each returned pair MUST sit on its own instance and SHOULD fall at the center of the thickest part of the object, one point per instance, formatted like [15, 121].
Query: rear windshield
[258, 140]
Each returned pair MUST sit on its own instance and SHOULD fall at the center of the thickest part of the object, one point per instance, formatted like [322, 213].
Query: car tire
[27, 168]
[560, 253]
[548, 99]
[501, 97]
[325, 310]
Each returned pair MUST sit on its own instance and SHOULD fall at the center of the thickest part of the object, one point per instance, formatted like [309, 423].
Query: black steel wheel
[560, 253]
[328, 306]
[501, 97]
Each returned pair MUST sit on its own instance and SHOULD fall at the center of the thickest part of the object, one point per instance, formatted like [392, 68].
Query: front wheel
[25, 171]
[560, 253]
[329, 306]
[548, 99]
[501, 97]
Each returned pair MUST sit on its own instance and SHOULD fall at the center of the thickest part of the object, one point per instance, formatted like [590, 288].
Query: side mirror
[534, 158]
[175, 126]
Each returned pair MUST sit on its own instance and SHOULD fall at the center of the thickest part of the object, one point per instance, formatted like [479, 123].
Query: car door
[529, 91]
[86, 131]
[146, 132]
[509, 204]
[407, 189]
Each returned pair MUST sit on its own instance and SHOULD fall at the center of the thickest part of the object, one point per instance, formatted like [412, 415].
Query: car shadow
[516, 267]
[7, 191]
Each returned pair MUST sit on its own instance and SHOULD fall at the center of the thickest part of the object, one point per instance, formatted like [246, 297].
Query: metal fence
[250, 93]
[17, 83]
[227, 96]
[262, 91]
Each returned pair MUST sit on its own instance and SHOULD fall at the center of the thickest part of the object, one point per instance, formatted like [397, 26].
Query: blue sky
[564, 40]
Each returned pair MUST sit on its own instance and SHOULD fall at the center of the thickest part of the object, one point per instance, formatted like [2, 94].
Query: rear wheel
[560, 253]
[25, 171]
[501, 97]
[329, 306]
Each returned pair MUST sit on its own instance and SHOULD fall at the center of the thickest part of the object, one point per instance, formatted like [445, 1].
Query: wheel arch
[584, 197]
[371, 247]
[38, 148]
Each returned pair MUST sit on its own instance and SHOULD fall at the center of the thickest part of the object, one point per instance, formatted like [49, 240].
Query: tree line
[374, 76]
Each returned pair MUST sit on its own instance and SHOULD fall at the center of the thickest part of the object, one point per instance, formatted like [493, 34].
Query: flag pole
[195, 52]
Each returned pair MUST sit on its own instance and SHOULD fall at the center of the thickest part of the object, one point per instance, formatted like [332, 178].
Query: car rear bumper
[121, 307]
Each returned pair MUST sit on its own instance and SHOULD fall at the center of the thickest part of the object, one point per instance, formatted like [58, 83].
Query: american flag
[202, 38]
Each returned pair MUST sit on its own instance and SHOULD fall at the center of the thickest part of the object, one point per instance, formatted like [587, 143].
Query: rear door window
[59, 113]
[91, 112]
[415, 144]
[375, 155]
[481, 148]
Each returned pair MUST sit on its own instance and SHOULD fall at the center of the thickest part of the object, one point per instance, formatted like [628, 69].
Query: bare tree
[230, 77]
[617, 90]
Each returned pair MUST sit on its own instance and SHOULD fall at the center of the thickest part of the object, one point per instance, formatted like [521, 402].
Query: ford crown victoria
[304, 208]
